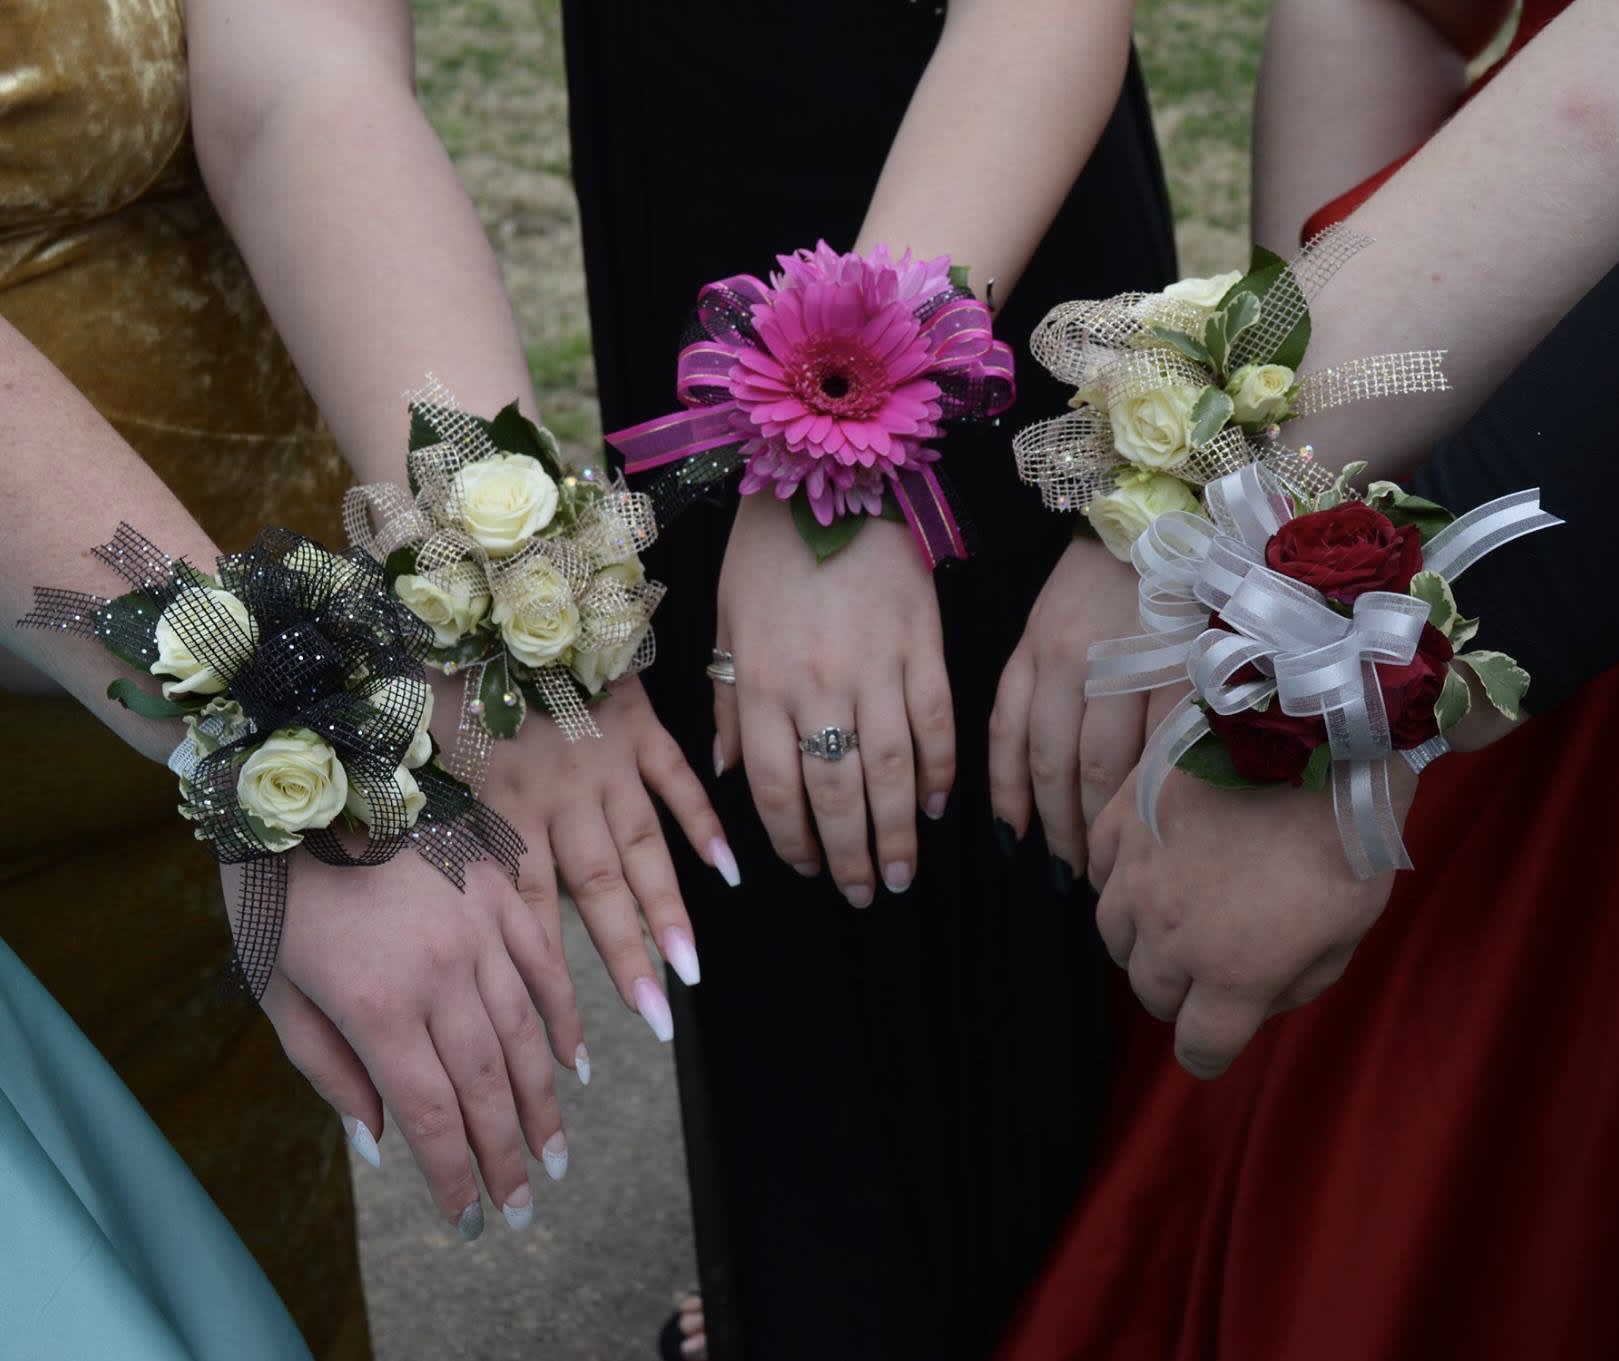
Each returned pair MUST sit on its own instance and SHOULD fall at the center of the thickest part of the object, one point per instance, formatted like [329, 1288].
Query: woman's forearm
[1484, 240]
[1004, 119]
[66, 480]
[368, 253]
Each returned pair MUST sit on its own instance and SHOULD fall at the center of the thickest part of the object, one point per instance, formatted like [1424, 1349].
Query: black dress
[888, 1113]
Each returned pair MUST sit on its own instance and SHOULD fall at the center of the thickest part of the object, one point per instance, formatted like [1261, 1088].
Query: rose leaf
[1210, 762]
[1505, 682]
[1318, 769]
[147, 705]
[401, 562]
[501, 718]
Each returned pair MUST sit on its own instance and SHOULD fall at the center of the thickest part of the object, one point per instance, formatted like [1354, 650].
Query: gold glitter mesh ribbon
[1105, 349]
[539, 584]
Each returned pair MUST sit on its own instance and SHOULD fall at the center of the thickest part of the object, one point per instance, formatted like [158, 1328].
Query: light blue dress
[109, 1249]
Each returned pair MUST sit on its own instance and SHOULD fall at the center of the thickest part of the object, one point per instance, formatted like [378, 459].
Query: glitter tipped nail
[470, 1225]
[719, 851]
[518, 1210]
[681, 953]
[363, 1141]
[581, 1065]
[555, 1156]
[654, 1009]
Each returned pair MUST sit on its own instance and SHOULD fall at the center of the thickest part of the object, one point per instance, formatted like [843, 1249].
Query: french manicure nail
[518, 1209]
[934, 807]
[555, 1156]
[1005, 837]
[654, 1009]
[581, 1065]
[719, 756]
[470, 1225]
[681, 953]
[897, 877]
[719, 851]
[809, 869]
[1062, 876]
[364, 1142]
[859, 895]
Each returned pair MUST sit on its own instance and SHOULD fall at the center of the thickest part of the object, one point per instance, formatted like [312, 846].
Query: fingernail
[555, 1156]
[679, 949]
[518, 1209]
[694, 1346]
[363, 1140]
[809, 869]
[719, 755]
[1005, 837]
[897, 877]
[581, 1065]
[934, 807]
[1062, 876]
[654, 1009]
[470, 1225]
[859, 895]
[719, 851]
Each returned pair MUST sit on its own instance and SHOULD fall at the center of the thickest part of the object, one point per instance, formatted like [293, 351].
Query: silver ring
[721, 667]
[830, 744]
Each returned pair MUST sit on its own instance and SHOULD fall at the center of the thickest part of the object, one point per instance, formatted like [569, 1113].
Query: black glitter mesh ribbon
[325, 648]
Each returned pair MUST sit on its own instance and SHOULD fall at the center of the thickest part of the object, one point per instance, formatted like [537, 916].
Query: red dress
[1421, 1165]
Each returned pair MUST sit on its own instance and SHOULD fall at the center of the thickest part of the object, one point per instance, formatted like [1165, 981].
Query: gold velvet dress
[114, 264]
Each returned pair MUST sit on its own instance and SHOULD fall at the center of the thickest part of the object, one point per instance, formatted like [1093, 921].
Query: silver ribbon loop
[1482, 530]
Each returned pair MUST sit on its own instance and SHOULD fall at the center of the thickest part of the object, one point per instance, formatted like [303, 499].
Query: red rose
[1346, 551]
[1411, 691]
[1268, 744]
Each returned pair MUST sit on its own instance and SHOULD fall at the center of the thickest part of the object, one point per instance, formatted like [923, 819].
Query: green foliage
[502, 719]
[1454, 701]
[1319, 769]
[1505, 682]
[1211, 414]
[824, 540]
[1189, 346]
[147, 705]
[1210, 762]
[134, 612]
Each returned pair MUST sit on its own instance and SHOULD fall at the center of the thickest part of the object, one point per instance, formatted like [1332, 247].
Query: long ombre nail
[654, 1009]
[581, 1065]
[681, 952]
[362, 1140]
[719, 851]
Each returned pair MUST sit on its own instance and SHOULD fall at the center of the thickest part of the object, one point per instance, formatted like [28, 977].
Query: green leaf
[401, 562]
[1454, 701]
[1240, 313]
[135, 613]
[1210, 762]
[1462, 632]
[1434, 591]
[513, 433]
[273, 837]
[1425, 515]
[473, 648]
[891, 511]
[1209, 417]
[423, 433]
[147, 705]
[1505, 682]
[1318, 769]
[502, 719]
[1271, 270]
[1260, 259]
[1189, 346]
[958, 277]
[1217, 342]
[824, 540]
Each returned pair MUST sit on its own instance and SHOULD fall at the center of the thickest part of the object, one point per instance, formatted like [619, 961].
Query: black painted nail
[1062, 876]
[1005, 837]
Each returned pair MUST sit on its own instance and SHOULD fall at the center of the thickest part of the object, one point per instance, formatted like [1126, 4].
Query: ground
[594, 1277]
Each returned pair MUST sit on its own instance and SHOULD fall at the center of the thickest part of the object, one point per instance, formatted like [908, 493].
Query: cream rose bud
[1203, 292]
[1154, 430]
[174, 656]
[504, 501]
[452, 614]
[595, 669]
[1259, 392]
[544, 625]
[293, 781]
[1138, 500]
[399, 695]
[409, 791]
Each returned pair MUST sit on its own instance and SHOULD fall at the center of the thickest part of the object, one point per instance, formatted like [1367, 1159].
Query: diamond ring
[721, 667]
[830, 744]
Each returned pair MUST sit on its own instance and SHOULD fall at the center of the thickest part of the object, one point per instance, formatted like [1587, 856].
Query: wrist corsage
[528, 575]
[298, 677]
[1320, 636]
[825, 386]
[1175, 390]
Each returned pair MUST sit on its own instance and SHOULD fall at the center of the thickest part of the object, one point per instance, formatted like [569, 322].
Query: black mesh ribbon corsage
[298, 675]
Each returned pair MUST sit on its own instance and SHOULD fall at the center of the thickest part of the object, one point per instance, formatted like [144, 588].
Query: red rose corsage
[1319, 638]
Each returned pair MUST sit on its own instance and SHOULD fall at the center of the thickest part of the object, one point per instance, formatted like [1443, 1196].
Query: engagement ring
[721, 667]
[830, 744]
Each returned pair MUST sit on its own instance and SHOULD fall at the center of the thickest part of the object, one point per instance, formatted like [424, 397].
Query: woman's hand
[1044, 738]
[584, 809]
[852, 643]
[393, 988]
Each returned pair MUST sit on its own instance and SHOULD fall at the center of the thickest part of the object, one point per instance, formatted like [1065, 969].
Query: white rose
[629, 573]
[452, 614]
[293, 781]
[409, 791]
[1203, 292]
[544, 626]
[504, 501]
[400, 694]
[594, 669]
[314, 560]
[1140, 498]
[1260, 392]
[1154, 430]
[174, 656]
